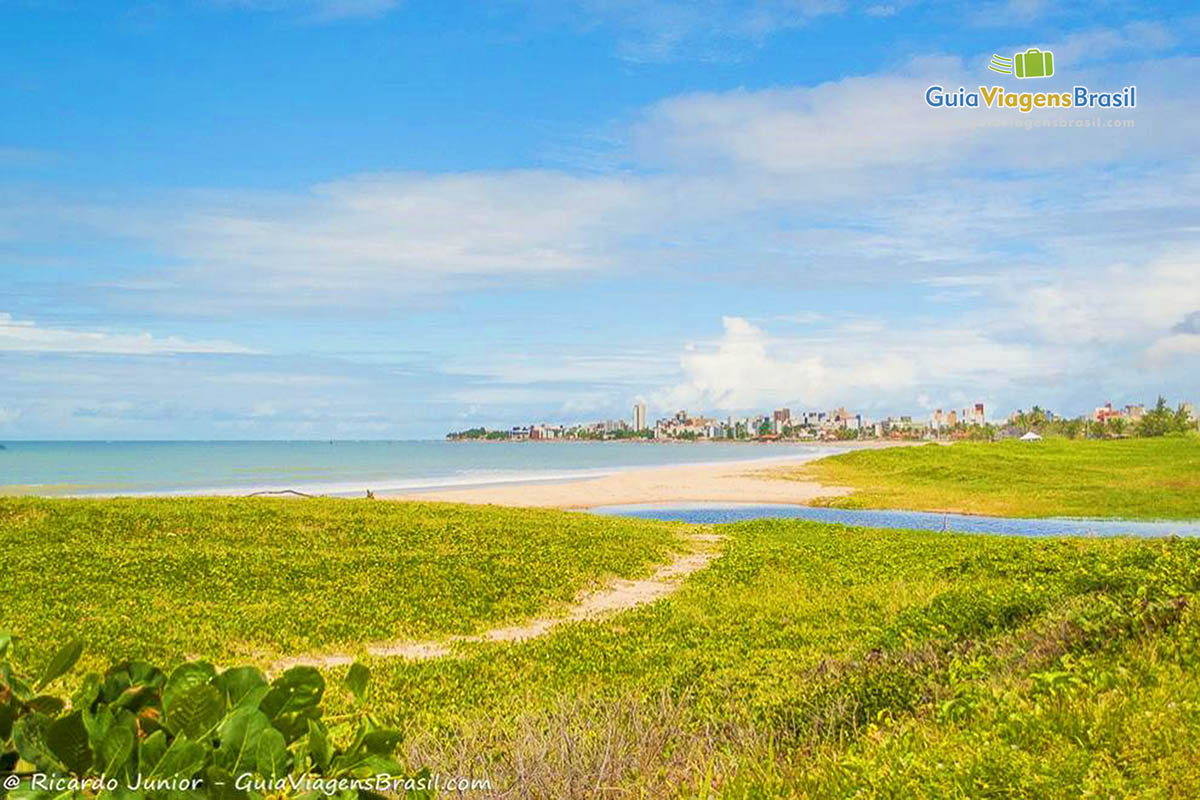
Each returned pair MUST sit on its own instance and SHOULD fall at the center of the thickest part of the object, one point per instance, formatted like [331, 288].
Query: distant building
[979, 417]
[782, 415]
[545, 432]
[813, 419]
[639, 416]
[902, 427]
[1106, 412]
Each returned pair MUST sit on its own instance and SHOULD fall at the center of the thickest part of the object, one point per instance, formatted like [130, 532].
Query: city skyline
[791, 423]
[326, 219]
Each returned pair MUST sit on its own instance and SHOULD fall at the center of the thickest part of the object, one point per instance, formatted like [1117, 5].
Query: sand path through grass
[620, 595]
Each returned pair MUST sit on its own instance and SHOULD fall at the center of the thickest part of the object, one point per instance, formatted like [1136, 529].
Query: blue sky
[363, 218]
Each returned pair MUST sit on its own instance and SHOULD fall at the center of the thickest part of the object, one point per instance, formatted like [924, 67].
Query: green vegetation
[238, 579]
[197, 733]
[1158, 421]
[807, 660]
[1161, 420]
[1153, 478]
[823, 661]
[478, 433]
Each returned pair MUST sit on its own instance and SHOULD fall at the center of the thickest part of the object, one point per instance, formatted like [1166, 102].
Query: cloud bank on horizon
[740, 226]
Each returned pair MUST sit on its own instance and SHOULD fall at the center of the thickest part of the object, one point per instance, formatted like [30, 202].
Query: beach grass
[806, 660]
[828, 661]
[1152, 478]
[252, 579]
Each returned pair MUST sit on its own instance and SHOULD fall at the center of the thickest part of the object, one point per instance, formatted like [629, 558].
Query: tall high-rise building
[639, 416]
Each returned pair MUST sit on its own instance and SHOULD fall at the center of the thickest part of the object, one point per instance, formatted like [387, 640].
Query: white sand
[732, 481]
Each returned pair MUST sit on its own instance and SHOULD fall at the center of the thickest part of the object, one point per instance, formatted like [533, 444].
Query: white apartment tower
[639, 416]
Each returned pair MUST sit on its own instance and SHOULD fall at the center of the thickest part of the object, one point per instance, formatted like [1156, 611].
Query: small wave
[461, 480]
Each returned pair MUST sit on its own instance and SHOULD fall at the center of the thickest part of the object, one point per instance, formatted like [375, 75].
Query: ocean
[343, 468]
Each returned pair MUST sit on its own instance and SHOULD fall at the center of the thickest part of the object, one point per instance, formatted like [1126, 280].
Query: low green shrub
[198, 732]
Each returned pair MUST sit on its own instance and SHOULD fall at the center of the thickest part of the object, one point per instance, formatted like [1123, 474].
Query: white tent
[1031, 437]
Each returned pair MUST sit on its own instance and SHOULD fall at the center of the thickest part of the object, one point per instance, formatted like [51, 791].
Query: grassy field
[253, 579]
[1156, 478]
[816, 660]
[807, 660]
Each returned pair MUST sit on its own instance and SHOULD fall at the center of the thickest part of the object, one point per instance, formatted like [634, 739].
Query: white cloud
[747, 368]
[1070, 248]
[1008, 12]
[1084, 324]
[612, 368]
[804, 317]
[855, 123]
[28, 337]
[380, 236]
[1137, 39]
[263, 410]
[1120, 303]
[861, 133]
[1169, 348]
[856, 176]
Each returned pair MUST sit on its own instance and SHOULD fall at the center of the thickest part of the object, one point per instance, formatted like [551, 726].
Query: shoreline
[470, 475]
[741, 481]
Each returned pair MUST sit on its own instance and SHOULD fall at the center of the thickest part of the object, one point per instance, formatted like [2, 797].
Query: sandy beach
[745, 481]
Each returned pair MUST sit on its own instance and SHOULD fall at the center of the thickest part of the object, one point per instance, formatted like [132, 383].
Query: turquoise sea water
[106, 468]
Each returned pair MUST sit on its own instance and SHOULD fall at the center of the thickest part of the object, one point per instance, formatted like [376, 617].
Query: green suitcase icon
[1034, 63]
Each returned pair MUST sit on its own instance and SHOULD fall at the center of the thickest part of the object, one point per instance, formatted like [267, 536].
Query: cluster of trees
[1158, 421]
[588, 434]
[1161, 420]
[1044, 423]
[477, 433]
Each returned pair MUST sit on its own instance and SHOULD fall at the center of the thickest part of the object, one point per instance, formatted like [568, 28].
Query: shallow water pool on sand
[714, 513]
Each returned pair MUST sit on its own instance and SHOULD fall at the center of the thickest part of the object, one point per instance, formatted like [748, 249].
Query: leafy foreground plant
[196, 733]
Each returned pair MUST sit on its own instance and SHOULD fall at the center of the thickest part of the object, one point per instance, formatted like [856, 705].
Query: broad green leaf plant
[195, 733]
